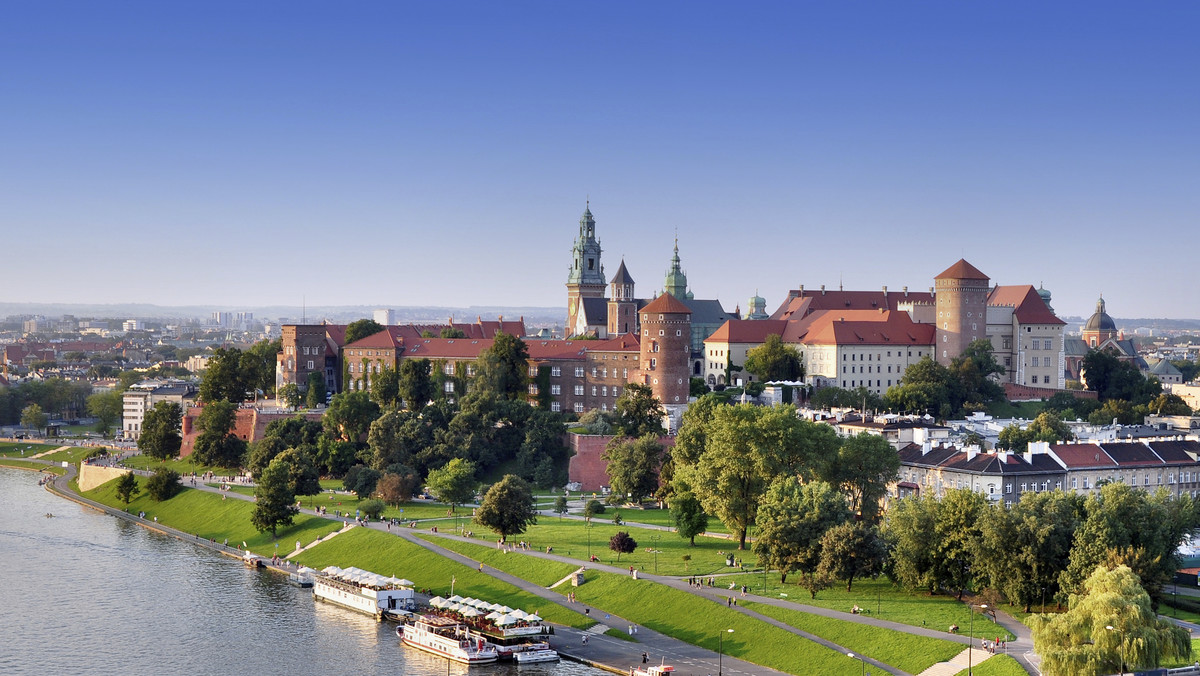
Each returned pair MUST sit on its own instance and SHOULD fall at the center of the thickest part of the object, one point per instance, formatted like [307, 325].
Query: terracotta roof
[801, 303]
[962, 270]
[887, 328]
[388, 338]
[747, 331]
[1076, 456]
[667, 304]
[447, 348]
[626, 342]
[1028, 306]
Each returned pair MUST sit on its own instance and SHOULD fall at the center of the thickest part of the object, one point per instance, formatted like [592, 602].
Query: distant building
[385, 317]
[133, 325]
[144, 396]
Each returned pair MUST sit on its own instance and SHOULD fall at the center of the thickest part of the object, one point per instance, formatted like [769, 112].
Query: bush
[371, 508]
[592, 508]
[621, 543]
[163, 485]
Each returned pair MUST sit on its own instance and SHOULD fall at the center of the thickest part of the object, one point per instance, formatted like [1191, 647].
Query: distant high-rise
[385, 317]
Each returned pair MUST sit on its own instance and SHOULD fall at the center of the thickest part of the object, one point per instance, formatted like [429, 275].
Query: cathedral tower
[622, 305]
[585, 279]
[676, 282]
[962, 292]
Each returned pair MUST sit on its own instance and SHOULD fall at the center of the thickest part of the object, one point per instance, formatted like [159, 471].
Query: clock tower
[585, 279]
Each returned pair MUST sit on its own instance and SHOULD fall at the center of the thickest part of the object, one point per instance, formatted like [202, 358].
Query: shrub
[163, 485]
[371, 508]
[592, 508]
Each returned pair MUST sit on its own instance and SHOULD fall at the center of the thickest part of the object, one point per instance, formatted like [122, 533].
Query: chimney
[802, 290]
[885, 290]
[822, 289]
[972, 451]
[906, 292]
[926, 446]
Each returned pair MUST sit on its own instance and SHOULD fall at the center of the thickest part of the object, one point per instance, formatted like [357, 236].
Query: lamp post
[1043, 600]
[971, 638]
[860, 659]
[588, 527]
[721, 652]
[655, 538]
[1122, 640]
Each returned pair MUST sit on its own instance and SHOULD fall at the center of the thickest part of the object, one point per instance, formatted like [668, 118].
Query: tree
[689, 517]
[106, 407]
[865, 465]
[633, 466]
[697, 387]
[397, 485]
[127, 488]
[454, 483]
[560, 505]
[160, 438]
[508, 507]
[1023, 548]
[371, 508]
[638, 411]
[859, 398]
[1169, 404]
[33, 417]
[385, 388]
[357, 330]
[274, 502]
[1113, 378]
[911, 530]
[503, 369]
[350, 415]
[290, 395]
[450, 332]
[314, 394]
[592, 508]
[1045, 427]
[217, 444]
[257, 366]
[1110, 625]
[163, 484]
[775, 360]
[303, 478]
[957, 530]
[223, 378]
[621, 543]
[793, 517]
[851, 550]
[415, 386]
[543, 454]
[361, 480]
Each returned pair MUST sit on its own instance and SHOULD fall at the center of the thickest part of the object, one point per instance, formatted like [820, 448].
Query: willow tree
[1109, 627]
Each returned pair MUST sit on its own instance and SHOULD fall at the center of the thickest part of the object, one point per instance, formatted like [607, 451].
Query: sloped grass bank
[997, 665]
[537, 571]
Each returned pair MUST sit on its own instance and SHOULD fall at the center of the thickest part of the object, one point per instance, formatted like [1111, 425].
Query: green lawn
[997, 665]
[207, 515]
[884, 600]
[183, 466]
[35, 466]
[913, 654]
[653, 517]
[389, 555]
[538, 571]
[72, 455]
[9, 449]
[1021, 409]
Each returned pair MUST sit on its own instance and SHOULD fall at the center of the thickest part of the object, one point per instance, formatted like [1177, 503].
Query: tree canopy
[453, 483]
[274, 502]
[503, 369]
[217, 444]
[792, 519]
[160, 437]
[361, 328]
[508, 507]
[639, 412]
[775, 360]
[633, 466]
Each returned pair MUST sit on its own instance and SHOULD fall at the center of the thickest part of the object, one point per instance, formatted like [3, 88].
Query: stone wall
[91, 476]
[587, 467]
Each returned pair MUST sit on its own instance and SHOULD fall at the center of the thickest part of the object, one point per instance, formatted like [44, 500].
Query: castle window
[556, 371]
[578, 371]
[556, 389]
[555, 406]
[662, 332]
[593, 390]
[653, 362]
[660, 318]
[678, 332]
[579, 407]
[579, 390]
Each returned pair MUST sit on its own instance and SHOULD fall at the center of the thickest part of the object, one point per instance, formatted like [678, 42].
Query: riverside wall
[91, 476]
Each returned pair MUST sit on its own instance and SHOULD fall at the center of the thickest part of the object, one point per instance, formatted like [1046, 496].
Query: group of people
[993, 646]
[699, 582]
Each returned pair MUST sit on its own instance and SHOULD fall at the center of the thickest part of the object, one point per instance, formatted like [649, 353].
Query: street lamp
[1122, 640]
[721, 652]
[655, 538]
[971, 638]
[860, 659]
[588, 527]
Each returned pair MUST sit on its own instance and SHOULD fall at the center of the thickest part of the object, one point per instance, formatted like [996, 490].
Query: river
[87, 593]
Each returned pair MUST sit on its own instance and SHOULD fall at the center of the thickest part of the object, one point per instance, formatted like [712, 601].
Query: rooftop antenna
[303, 308]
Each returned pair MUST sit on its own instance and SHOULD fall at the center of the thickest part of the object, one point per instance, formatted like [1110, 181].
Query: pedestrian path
[318, 541]
[53, 450]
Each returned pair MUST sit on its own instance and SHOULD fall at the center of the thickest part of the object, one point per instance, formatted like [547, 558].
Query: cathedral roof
[1100, 321]
[622, 276]
[962, 270]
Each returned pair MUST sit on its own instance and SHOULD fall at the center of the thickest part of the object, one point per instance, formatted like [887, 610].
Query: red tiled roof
[446, 348]
[1028, 306]
[667, 304]
[800, 304]
[626, 342]
[387, 338]
[883, 328]
[1082, 455]
[962, 270]
[747, 331]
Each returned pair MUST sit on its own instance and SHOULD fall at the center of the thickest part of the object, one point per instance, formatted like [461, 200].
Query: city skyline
[417, 155]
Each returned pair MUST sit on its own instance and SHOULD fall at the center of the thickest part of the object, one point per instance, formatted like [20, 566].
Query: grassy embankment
[684, 616]
[21, 449]
[210, 517]
[17, 463]
[884, 600]
[997, 665]
[390, 555]
[653, 517]
[73, 454]
[183, 466]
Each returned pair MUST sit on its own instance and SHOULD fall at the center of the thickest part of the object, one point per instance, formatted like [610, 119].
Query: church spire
[676, 282]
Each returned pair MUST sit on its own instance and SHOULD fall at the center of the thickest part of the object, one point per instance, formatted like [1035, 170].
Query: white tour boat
[656, 670]
[363, 591]
[447, 638]
[532, 656]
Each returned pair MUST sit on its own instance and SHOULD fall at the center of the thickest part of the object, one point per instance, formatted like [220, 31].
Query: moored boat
[447, 638]
[656, 670]
[363, 591]
[534, 656]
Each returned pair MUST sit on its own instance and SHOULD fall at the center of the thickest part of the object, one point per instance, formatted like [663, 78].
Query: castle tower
[757, 307]
[666, 350]
[962, 292]
[676, 282]
[585, 279]
[622, 305]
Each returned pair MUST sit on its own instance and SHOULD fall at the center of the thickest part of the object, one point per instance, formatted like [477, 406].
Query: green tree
[1045, 427]
[508, 507]
[397, 485]
[454, 483]
[1110, 626]
[911, 530]
[217, 444]
[450, 332]
[1024, 548]
[638, 411]
[592, 508]
[371, 508]
[775, 360]
[223, 378]
[303, 477]
[622, 543]
[357, 330]
[503, 369]
[688, 516]
[851, 550]
[163, 484]
[415, 385]
[274, 502]
[361, 480]
[314, 394]
[257, 366]
[106, 407]
[792, 519]
[127, 488]
[865, 465]
[957, 530]
[1113, 378]
[160, 438]
[560, 505]
[350, 415]
[633, 466]
[290, 395]
[859, 398]
[697, 387]
[385, 388]
[33, 417]
[1169, 404]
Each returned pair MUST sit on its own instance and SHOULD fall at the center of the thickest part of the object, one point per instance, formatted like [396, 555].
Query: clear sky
[440, 153]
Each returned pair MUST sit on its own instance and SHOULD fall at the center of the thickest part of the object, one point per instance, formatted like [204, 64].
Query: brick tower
[586, 276]
[962, 292]
[666, 350]
[622, 305]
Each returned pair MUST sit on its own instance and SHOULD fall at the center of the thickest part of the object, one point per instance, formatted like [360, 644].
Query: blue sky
[441, 153]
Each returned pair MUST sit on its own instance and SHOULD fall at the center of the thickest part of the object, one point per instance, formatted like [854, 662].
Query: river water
[87, 593]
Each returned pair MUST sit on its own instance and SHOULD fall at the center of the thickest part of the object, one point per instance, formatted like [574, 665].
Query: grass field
[17, 463]
[538, 571]
[654, 517]
[911, 653]
[997, 665]
[10, 449]
[182, 466]
[883, 600]
[210, 517]
[389, 555]
[72, 455]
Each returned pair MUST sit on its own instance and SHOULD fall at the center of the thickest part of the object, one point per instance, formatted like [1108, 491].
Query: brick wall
[587, 467]
[250, 425]
[1015, 392]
